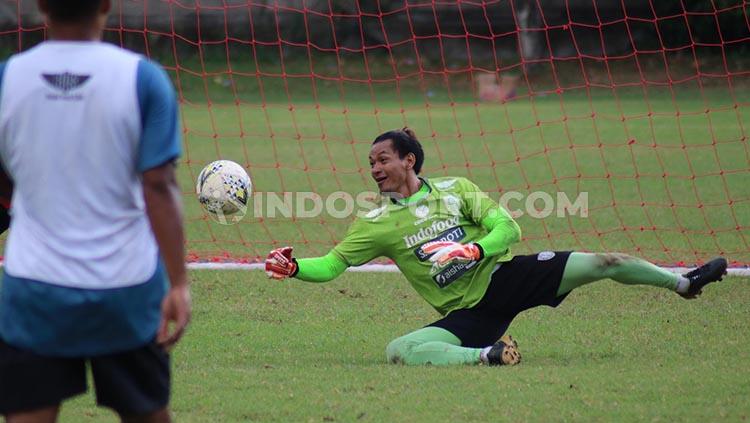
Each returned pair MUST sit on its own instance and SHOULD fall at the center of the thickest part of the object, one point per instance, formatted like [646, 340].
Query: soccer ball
[223, 190]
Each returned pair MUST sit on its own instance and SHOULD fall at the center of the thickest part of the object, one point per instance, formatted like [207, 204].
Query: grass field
[265, 351]
[666, 169]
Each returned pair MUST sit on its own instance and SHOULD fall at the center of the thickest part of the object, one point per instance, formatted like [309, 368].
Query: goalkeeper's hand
[444, 252]
[280, 264]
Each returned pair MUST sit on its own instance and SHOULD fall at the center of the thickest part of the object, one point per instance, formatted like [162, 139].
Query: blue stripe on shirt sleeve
[160, 138]
[3, 65]
[2, 73]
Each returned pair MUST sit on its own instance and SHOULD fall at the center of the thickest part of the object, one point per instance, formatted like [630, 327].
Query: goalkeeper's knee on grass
[398, 350]
[430, 345]
[439, 347]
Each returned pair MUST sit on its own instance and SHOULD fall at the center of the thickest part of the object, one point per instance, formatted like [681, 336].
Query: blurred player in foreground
[452, 243]
[94, 261]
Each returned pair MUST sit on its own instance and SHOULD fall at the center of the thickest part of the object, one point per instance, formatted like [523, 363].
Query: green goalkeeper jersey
[453, 209]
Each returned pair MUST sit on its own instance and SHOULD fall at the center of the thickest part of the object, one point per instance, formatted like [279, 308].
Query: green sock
[431, 345]
[584, 268]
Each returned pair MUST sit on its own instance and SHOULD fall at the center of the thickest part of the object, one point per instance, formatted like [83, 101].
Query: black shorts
[520, 284]
[4, 219]
[131, 383]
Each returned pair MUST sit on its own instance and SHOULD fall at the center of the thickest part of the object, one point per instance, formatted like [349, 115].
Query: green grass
[264, 351]
[260, 350]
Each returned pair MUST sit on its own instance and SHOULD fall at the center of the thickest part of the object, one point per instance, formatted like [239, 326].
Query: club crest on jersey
[421, 211]
[65, 81]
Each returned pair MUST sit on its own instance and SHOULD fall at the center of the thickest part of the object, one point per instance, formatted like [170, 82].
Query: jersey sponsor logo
[431, 231]
[448, 183]
[65, 81]
[545, 255]
[454, 235]
[451, 272]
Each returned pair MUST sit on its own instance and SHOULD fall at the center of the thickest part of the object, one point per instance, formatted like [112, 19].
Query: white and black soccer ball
[224, 189]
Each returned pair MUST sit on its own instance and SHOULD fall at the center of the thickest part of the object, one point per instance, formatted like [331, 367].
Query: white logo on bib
[545, 255]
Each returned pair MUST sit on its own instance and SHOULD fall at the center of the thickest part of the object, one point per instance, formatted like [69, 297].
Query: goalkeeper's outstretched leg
[584, 268]
[459, 337]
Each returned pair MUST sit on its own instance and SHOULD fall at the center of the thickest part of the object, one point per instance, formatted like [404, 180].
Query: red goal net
[604, 125]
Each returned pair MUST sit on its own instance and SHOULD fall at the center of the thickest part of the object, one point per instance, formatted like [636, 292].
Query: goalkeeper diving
[453, 244]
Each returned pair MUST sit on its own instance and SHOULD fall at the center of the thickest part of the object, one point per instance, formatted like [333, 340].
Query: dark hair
[72, 11]
[404, 142]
